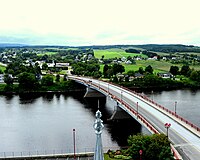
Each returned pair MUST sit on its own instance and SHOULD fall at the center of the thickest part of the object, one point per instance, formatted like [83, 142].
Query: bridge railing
[161, 107]
[144, 121]
[148, 99]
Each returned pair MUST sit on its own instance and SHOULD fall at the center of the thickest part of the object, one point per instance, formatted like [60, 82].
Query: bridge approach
[184, 135]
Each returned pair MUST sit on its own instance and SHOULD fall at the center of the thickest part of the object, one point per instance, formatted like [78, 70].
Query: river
[187, 103]
[46, 122]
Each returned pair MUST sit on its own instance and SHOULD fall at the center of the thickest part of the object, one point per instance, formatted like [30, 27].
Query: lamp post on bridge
[137, 108]
[74, 141]
[152, 94]
[175, 106]
[121, 95]
[108, 87]
[167, 125]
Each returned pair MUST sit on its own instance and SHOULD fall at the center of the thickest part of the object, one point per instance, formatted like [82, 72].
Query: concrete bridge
[184, 136]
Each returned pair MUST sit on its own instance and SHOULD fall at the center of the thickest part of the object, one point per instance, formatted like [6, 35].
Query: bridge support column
[91, 93]
[92, 97]
[119, 114]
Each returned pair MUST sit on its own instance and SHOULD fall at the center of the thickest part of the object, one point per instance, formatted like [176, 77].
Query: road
[186, 142]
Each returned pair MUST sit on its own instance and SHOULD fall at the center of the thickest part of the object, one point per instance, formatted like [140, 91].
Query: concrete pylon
[98, 126]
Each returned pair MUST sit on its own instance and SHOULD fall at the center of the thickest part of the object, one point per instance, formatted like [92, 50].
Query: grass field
[47, 53]
[113, 53]
[158, 66]
[3, 68]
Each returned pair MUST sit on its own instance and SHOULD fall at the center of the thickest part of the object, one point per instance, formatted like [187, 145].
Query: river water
[46, 122]
[38, 123]
[187, 103]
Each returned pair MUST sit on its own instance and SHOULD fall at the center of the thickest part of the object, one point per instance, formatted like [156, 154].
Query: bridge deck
[184, 135]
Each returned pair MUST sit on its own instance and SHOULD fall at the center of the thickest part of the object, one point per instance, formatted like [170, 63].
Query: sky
[100, 22]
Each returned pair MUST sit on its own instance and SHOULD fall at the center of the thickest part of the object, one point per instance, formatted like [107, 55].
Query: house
[120, 76]
[138, 75]
[165, 75]
[128, 62]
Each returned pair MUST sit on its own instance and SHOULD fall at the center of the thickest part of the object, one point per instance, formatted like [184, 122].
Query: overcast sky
[100, 22]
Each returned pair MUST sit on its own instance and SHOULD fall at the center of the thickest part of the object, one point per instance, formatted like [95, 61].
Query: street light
[175, 106]
[108, 87]
[137, 109]
[167, 125]
[121, 96]
[74, 144]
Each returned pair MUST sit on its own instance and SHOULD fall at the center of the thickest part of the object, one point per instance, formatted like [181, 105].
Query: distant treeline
[170, 48]
[148, 53]
[167, 48]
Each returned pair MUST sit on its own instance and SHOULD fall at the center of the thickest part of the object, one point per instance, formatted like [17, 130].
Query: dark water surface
[46, 122]
[187, 103]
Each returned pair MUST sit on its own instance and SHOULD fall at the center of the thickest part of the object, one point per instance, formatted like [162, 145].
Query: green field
[3, 68]
[158, 66]
[114, 53]
[47, 53]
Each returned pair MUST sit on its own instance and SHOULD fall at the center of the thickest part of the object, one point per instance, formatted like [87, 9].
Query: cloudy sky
[100, 22]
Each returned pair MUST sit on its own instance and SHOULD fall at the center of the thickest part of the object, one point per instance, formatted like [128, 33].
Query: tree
[65, 78]
[195, 75]
[8, 79]
[37, 68]
[118, 68]
[141, 70]
[149, 69]
[105, 69]
[47, 80]
[174, 70]
[57, 78]
[97, 74]
[27, 80]
[185, 70]
[131, 73]
[44, 66]
[154, 146]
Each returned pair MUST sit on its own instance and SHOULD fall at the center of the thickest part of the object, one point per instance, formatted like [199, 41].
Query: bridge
[184, 136]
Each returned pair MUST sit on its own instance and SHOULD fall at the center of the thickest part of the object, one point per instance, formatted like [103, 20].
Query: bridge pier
[91, 93]
[119, 114]
[94, 96]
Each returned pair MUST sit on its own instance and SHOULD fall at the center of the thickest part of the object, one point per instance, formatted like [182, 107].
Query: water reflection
[45, 122]
[9, 97]
[48, 97]
[119, 130]
[28, 98]
[122, 129]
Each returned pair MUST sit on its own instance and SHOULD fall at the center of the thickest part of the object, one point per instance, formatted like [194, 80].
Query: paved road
[186, 142]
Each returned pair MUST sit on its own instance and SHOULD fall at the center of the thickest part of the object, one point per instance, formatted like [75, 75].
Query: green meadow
[3, 68]
[114, 53]
[158, 66]
[47, 53]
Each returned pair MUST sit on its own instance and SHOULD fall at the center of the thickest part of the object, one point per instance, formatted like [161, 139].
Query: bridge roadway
[183, 135]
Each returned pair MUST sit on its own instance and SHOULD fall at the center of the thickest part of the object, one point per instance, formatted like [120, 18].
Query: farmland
[158, 66]
[114, 53]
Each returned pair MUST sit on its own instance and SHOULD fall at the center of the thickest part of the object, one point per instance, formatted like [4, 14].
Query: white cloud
[102, 21]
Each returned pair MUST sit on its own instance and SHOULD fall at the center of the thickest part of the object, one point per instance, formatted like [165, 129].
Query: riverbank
[60, 87]
[154, 83]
